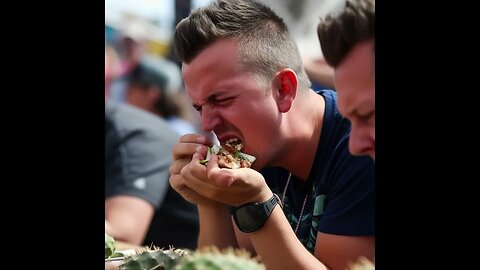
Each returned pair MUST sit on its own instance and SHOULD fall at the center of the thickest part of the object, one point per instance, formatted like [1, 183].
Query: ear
[285, 85]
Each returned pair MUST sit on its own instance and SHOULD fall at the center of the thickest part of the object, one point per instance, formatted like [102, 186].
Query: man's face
[355, 85]
[231, 102]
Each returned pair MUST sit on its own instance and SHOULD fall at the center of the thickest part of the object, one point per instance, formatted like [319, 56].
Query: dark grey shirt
[138, 153]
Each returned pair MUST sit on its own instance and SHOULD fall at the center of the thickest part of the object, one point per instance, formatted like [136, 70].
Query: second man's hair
[339, 33]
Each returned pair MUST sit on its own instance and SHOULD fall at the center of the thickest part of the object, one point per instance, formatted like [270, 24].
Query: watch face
[250, 217]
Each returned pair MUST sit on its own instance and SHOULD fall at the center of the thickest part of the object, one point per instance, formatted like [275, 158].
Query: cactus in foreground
[109, 245]
[209, 258]
[153, 259]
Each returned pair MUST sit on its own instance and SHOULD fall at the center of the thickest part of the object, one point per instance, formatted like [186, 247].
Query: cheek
[258, 126]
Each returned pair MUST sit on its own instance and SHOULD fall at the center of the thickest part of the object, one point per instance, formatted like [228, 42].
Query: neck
[304, 124]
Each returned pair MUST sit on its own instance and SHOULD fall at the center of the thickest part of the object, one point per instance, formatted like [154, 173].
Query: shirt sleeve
[137, 164]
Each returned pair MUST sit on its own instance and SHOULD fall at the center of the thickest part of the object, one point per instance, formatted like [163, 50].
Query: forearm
[215, 226]
[123, 234]
[286, 251]
[127, 218]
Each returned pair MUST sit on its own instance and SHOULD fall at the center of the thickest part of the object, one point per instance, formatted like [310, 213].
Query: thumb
[220, 176]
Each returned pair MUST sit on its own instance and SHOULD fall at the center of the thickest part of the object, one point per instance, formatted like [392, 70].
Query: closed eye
[223, 102]
[367, 118]
[197, 108]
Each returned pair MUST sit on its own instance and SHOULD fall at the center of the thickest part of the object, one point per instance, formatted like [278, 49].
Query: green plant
[209, 258]
[109, 245]
[153, 259]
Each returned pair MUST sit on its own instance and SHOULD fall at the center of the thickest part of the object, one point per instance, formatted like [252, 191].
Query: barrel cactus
[209, 258]
[153, 259]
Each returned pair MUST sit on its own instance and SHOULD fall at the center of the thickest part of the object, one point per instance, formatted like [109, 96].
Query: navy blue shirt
[340, 189]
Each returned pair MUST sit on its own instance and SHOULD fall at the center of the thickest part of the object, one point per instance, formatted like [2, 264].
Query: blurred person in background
[132, 49]
[140, 206]
[112, 66]
[147, 89]
[348, 44]
[301, 18]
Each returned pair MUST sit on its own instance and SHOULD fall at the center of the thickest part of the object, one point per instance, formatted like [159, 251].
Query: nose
[210, 118]
[360, 142]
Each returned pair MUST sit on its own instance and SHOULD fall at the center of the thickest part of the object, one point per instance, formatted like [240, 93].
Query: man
[244, 75]
[147, 89]
[140, 206]
[348, 44]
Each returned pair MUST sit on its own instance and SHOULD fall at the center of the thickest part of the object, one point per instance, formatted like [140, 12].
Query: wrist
[212, 206]
[261, 197]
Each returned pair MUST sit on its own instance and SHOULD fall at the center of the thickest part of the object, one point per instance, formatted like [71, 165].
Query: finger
[205, 139]
[193, 138]
[197, 156]
[177, 165]
[182, 150]
[177, 183]
[194, 169]
[220, 176]
[201, 185]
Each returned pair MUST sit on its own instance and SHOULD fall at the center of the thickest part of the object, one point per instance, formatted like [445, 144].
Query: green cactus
[209, 258]
[153, 259]
[109, 245]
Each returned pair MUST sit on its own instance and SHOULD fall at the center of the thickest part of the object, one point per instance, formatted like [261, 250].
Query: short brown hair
[339, 33]
[265, 45]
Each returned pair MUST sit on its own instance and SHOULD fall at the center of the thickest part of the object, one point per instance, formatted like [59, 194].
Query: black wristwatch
[251, 217]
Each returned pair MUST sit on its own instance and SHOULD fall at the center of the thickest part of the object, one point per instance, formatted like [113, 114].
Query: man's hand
[183, 168]
[229, 186]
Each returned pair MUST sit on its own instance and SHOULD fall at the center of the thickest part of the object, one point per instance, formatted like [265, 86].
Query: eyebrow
[210, 98]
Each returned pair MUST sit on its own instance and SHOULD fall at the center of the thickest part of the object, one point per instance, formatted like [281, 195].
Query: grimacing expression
[355, 86]
[231, 101]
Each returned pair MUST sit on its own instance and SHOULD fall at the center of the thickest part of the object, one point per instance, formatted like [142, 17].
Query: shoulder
[328, 94]
[123, 114]
[126, 120]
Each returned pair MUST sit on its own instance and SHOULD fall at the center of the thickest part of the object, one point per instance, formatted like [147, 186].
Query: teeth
[232, 140]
